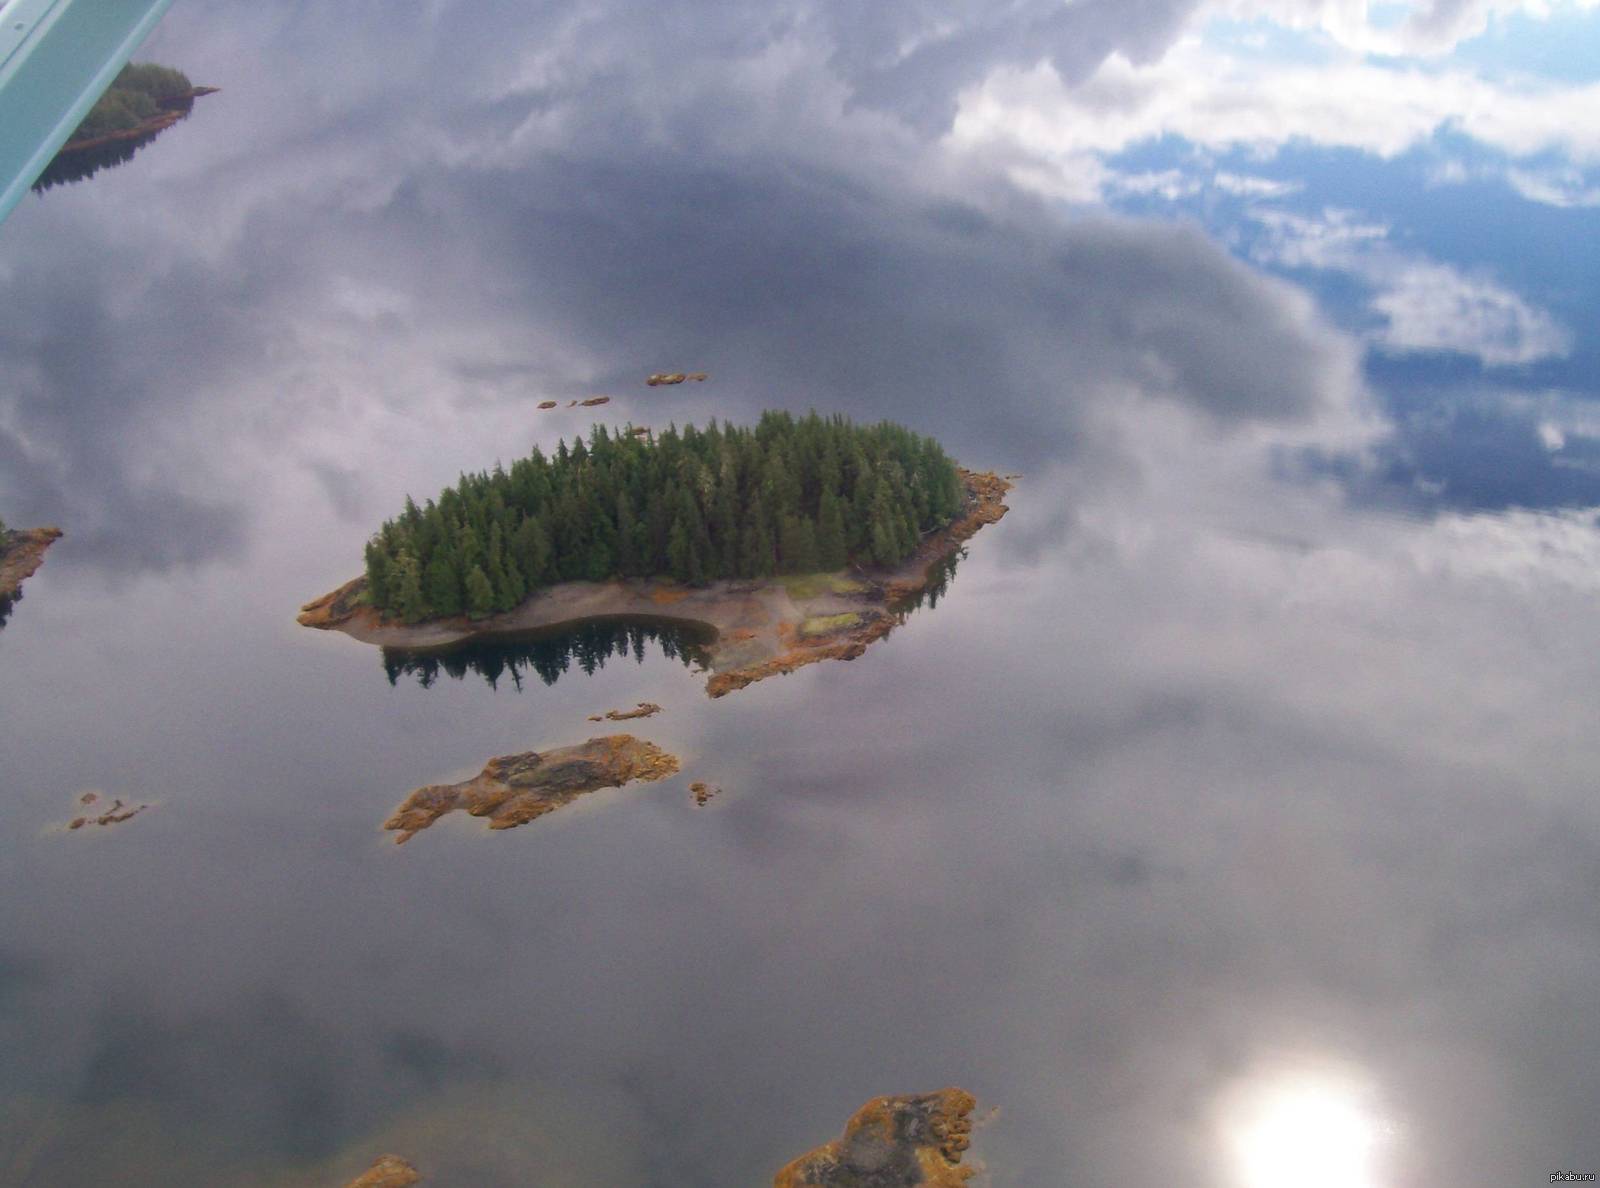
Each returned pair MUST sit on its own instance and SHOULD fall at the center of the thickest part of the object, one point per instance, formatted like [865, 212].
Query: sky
[1284, 310]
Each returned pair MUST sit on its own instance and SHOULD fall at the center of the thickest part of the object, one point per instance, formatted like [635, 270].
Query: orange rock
[547, 404]
[334, 607]
[21, 553]
[703, 793]
[387, 1171]
[892, 1142]
[594, 400]
[514, 789]
[644, 709]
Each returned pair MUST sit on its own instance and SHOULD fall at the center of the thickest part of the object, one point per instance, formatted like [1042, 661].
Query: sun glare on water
[1305, 1131]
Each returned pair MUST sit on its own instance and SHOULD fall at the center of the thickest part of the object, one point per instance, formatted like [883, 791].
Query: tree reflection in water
[550, 654]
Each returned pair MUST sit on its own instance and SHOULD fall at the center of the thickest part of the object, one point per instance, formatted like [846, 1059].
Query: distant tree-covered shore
[134, 96]
[792, 495]
[142, 101]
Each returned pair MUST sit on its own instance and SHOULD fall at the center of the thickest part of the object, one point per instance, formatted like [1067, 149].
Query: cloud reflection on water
[1201, 760]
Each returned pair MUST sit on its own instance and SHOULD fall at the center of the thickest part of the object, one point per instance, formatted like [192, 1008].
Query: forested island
[798, 540]
[143, 101]
[789, 496]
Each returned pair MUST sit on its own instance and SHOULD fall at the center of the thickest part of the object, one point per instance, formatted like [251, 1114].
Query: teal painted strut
[56, 58]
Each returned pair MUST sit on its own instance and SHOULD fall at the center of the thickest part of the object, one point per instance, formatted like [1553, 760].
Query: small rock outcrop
[675, 377]
[387, 1171]
[21, 553]
[547, 404]
[115, 815]
[594, 400]
[892, 1142]
[703, 793]
[514, 789]
[644, 709]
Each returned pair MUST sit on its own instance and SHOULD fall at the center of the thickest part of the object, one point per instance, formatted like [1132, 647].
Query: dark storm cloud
[802, 288]
[85, 384]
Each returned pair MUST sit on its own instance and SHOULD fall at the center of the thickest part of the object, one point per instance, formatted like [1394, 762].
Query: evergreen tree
[797, 543]
[805, 556]
[480, 593]
[831, 553]
[628, 560]
[680, 551]
[406, 575]
[532, 546]
[377, 572]
[443, 585]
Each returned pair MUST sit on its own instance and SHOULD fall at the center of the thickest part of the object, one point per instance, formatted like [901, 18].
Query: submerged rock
[514, 789]
[387, 1171]
[892, 1142]
[594, 400]
[675, 377]
[547, 404]
[703, 793]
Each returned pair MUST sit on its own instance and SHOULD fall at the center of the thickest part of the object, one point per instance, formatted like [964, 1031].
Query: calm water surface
[1238, 797]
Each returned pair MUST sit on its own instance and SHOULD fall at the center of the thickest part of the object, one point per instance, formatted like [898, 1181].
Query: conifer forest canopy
[792, 495]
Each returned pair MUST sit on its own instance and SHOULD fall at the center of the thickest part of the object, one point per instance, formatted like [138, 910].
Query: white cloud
[1551, 436]
[1433, 307]
[1336, 240]
[1428, 28]
[1426, 305]
[1517, 547]
[1554, 187]
[1171, 184]
[1246, 186]
[1221, 102]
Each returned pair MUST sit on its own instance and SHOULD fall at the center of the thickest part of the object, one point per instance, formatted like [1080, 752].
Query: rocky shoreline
[21, 553]
[893, 1142]
[762, 627]
[910, 1141]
